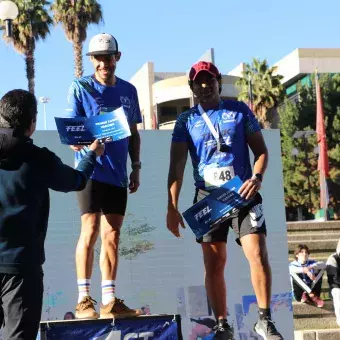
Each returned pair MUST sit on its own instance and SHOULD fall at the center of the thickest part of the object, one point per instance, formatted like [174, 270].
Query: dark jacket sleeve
[332, 275]
[61, 177]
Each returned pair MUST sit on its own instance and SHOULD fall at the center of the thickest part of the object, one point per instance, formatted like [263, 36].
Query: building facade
[164, 95]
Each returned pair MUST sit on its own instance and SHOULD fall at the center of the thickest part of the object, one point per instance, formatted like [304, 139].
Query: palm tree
[268, 92]
[75, 16]
[33, 23]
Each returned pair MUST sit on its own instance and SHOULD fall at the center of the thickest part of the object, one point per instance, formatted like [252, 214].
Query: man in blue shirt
[103, 201]
[217, 134]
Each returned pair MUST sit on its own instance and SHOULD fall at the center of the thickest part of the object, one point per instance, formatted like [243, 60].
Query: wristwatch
[257, 177]
[136, 165]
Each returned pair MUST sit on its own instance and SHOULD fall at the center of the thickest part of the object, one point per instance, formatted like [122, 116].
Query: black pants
[298, 291]
[21, 304]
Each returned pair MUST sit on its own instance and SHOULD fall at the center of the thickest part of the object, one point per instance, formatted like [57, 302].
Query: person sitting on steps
[306, 277]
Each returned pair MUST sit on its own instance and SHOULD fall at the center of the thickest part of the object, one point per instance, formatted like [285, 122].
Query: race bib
[215, 177]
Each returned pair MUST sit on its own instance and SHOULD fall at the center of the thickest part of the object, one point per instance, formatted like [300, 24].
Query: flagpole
[323, 189]
[323, 165]
[250, 92]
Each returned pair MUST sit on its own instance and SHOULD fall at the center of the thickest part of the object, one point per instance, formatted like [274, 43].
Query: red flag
[323, 165]
[154, 121]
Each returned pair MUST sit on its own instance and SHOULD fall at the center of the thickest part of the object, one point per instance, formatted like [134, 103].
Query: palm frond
[268, 92]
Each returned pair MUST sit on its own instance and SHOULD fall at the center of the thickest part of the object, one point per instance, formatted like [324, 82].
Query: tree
[300, 173]
[268, 92]
[75, 16]
[302, 116]
[32, 24]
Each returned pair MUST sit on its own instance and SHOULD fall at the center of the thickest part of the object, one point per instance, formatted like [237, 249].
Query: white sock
[83, 288]
[108, 291]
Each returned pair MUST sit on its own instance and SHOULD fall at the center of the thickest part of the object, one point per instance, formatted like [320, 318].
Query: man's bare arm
[134, 145]
[260, 151]
[178, 159]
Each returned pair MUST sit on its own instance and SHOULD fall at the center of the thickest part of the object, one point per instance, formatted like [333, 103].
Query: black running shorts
[99, 197]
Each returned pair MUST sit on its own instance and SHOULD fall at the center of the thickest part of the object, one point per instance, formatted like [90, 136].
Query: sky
[174, 34]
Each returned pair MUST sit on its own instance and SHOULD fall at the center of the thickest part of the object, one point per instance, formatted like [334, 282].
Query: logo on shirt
[126, 102]
[228, 116]
[198, 124]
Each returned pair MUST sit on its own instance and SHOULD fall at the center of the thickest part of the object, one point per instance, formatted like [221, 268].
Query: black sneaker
[223, 331]
[266, 328]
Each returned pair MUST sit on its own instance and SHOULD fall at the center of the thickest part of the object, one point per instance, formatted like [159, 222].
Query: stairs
[310, 322]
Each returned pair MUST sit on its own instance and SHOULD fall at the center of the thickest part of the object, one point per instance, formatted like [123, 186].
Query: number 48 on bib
[215, 177]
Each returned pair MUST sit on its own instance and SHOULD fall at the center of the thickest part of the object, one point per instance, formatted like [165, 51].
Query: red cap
[203, 66]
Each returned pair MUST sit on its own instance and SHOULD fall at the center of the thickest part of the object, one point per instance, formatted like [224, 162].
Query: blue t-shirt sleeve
[181, 133]
[136, 116]
[75, 107]
[251, 124]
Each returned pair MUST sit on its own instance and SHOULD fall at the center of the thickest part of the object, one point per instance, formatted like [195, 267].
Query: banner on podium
[165, 327]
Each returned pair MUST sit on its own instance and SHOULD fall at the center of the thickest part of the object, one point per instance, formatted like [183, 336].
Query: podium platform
[146, 327]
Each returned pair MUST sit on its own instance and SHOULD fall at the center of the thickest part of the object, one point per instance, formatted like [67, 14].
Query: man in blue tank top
[216, 133]
[103, 201]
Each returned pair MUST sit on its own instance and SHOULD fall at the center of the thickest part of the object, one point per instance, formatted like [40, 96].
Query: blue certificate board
[107, 127]
[215, 208]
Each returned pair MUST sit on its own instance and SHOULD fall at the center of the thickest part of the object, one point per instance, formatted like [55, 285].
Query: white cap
[102, 44]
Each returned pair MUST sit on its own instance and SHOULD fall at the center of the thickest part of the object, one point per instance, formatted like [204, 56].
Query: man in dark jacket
[27, 172]
[333, 275]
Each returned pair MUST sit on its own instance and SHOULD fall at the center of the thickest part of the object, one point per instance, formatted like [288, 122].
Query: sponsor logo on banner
[202, 213]
[75, 128]
[117, 335]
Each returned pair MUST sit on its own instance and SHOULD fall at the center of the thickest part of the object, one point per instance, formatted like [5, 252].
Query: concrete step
[322, 334]
[315, 323]
[312, 236]
[317, 256]
[303, 310]
[326, 245]
[310, 225]
[312, 231]
[307, 316]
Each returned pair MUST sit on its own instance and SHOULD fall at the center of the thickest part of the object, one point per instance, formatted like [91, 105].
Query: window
[306, 81]
[168, 111]
[291, 90]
